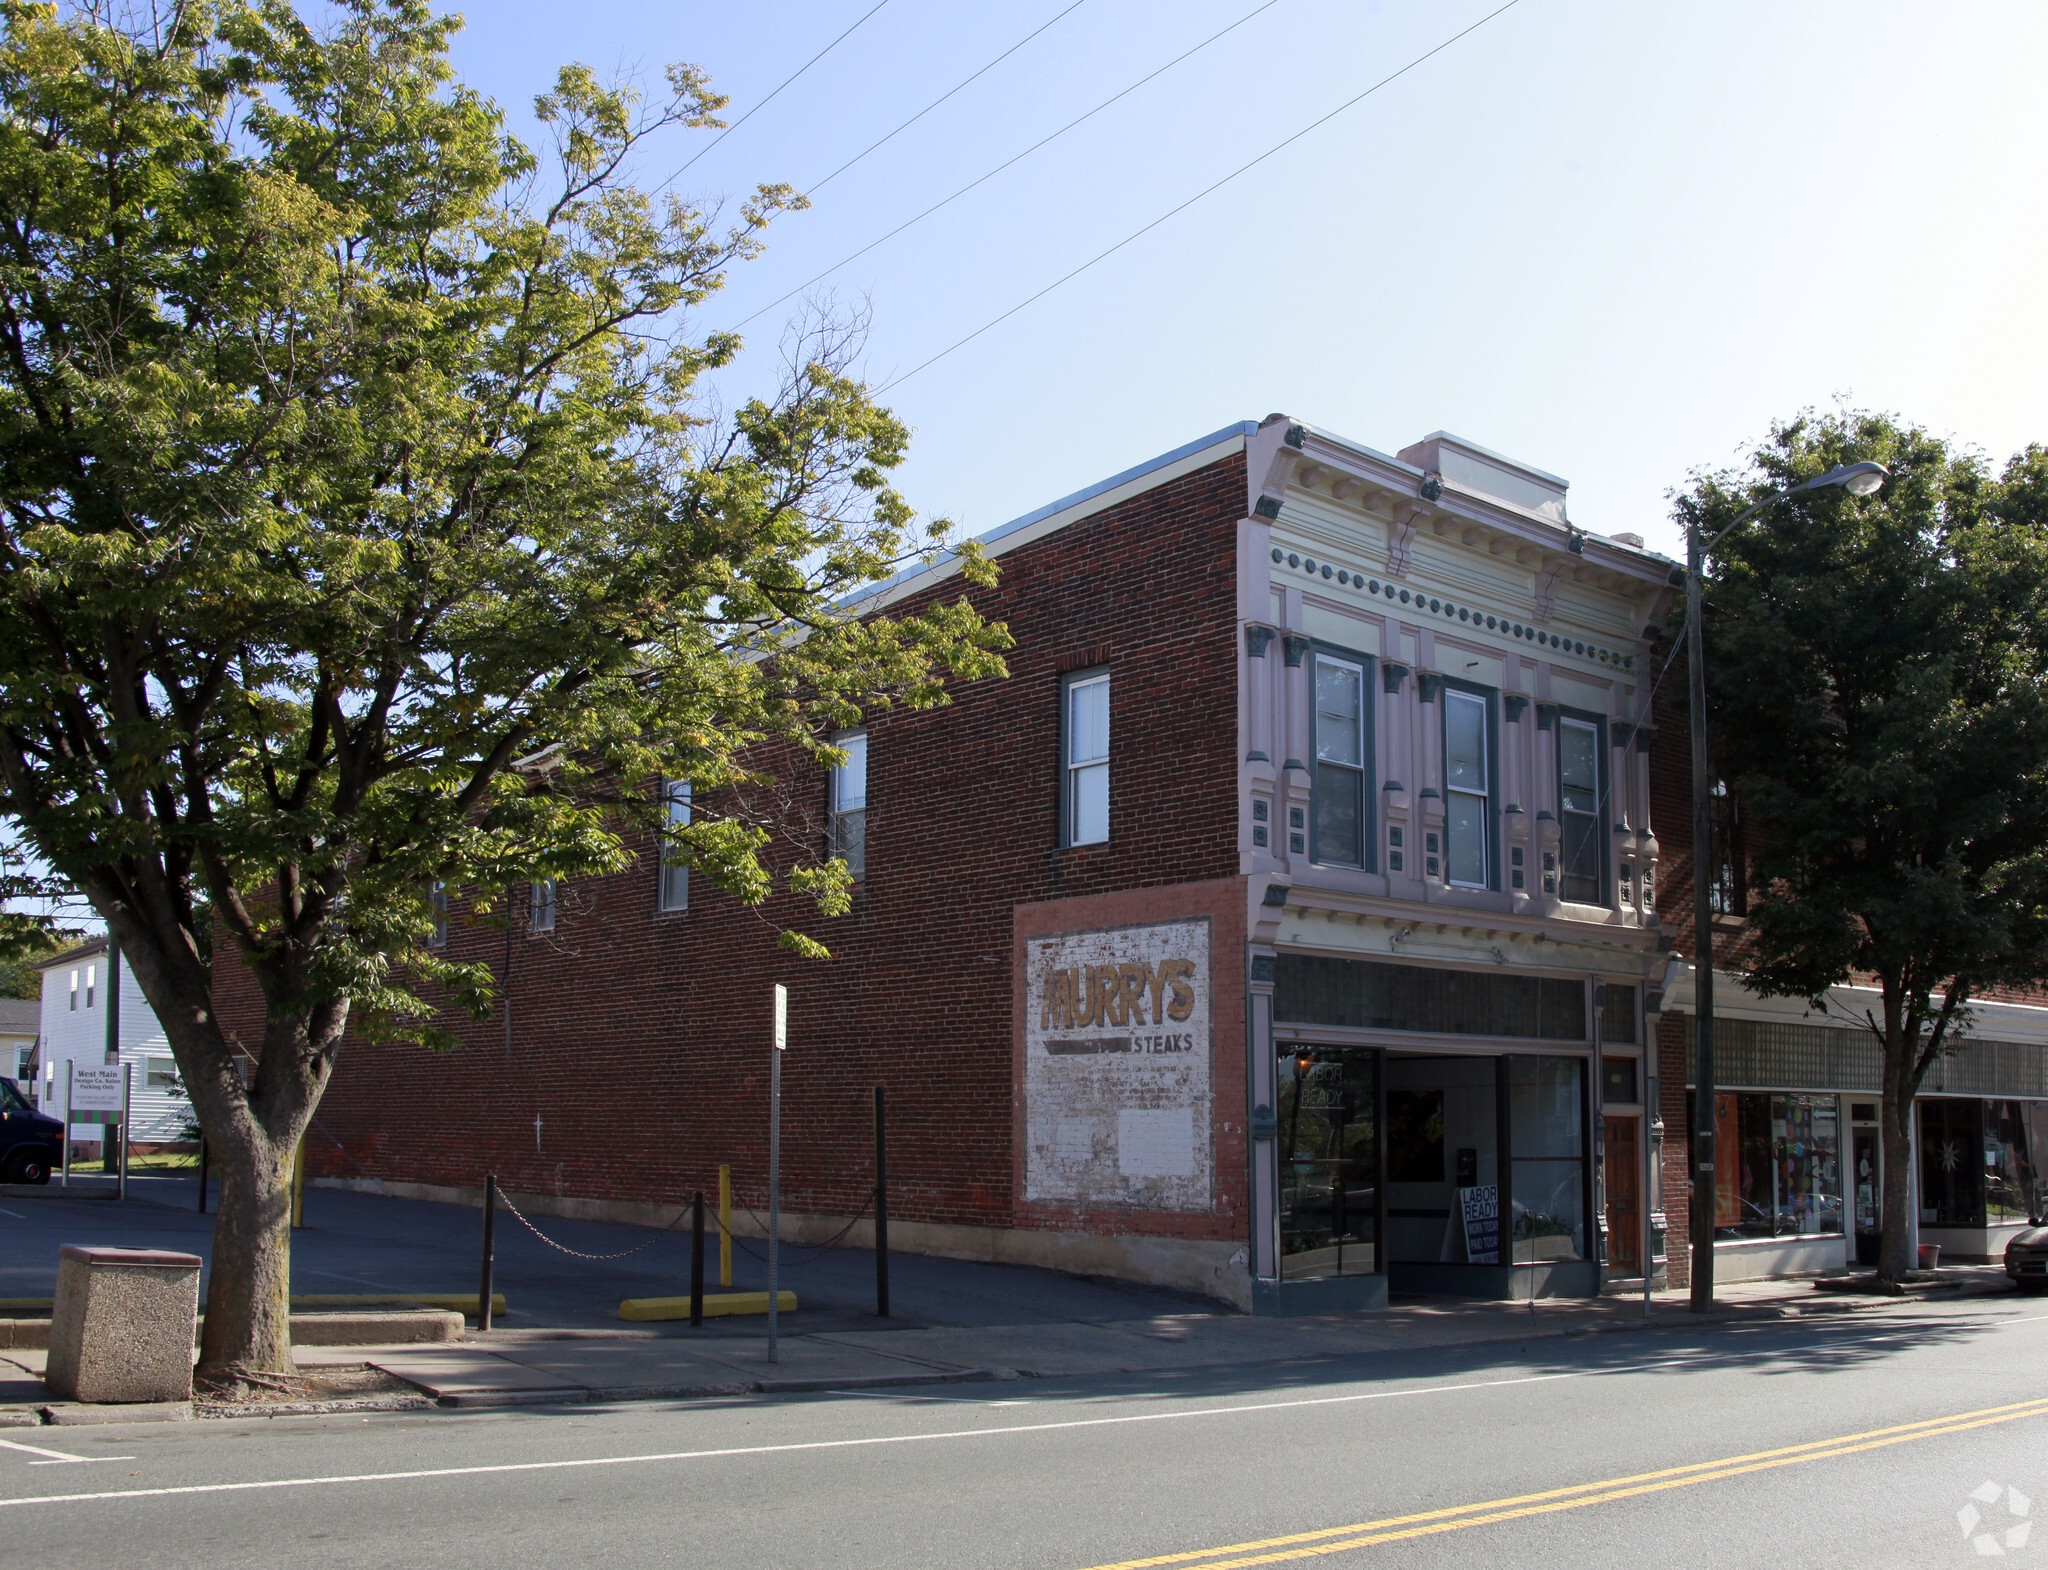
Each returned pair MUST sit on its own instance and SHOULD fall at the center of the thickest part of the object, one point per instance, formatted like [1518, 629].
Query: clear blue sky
[1614, 240]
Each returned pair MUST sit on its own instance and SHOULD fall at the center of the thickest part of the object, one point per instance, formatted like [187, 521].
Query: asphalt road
[1855, 1441]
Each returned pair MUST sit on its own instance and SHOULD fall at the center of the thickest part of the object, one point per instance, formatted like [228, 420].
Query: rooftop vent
[1478, 472]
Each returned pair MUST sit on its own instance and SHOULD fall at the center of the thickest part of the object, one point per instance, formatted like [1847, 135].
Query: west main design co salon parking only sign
[1117, 1069]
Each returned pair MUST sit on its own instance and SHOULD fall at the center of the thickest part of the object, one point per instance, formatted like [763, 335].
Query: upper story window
[1725, 894]
[74, 992]
[1468, 790]
[672, 890]
[850, 803]
[1578, 800]
[1339, 786]
[540, 906]
[438, 898]
[1084, 807]
[92, 976]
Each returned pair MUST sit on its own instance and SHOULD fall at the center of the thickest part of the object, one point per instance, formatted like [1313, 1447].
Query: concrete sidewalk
[529, 1366]
[513, 1367]
[954, 1319]
[572, 1365]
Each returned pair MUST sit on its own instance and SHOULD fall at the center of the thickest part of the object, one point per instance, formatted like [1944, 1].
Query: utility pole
[775, 1163]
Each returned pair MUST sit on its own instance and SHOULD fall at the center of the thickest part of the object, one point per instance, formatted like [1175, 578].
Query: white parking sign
[96, 1089]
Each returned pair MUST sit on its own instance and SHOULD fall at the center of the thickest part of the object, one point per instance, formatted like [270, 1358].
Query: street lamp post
[1859, 479]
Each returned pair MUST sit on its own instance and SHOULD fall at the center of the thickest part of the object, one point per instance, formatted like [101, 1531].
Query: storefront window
[2015, 1149]
[1980, 1161]
[1328, 1157]
[1777, 1166]
[1546, 1113]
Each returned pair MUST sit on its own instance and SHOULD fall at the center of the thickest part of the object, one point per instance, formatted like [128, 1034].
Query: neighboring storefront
[1799, 1161]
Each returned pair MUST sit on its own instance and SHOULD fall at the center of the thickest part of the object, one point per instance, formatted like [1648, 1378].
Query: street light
[1858, 479]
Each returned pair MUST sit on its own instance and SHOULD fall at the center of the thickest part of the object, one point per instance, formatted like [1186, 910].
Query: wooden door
[1624, 1183]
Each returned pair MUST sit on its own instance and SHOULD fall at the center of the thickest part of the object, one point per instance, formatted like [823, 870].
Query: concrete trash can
[123, 1324]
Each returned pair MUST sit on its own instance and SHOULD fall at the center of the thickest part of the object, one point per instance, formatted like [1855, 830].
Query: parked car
[2026, 1259]
[30, 1143]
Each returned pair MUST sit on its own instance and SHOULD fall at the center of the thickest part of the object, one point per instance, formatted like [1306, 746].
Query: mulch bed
[356, 1388]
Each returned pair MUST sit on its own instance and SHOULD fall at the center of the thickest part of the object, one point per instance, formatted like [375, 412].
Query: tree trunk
[248, 1294]
[1896, 1130]
[252, 1132]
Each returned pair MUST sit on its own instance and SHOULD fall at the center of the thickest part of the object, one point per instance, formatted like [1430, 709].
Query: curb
[74, 1414]
[471, 1400]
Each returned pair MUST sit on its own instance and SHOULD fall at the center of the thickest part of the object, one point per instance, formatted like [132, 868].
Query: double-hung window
[1085, 744]
[1468, 790]
[437, 899]
[672, 891]
[1578, 801]
[540, 906]
[1340, 836]
[1724, 893]
[850, 803]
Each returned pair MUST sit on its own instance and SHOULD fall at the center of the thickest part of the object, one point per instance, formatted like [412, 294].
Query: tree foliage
[365, 525]
[1876, 671]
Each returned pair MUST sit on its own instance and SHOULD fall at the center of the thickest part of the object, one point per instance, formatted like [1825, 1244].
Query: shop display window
[1546, 1112]
[1777, 1166]
[1328, 1143]
[1980, 1161]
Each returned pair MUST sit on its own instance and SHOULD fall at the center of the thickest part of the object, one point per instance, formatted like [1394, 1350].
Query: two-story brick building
[1278, 928]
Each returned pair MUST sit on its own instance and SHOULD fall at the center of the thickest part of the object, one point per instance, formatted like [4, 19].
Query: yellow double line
[1365, 1534]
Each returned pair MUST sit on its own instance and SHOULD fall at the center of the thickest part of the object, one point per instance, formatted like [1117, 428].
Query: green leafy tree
[1876, 670]
[365, 525]
[26, 941]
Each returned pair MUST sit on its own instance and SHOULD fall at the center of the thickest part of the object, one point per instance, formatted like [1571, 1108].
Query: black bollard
[483, 1299]
[881, 1204]
[697, 1259]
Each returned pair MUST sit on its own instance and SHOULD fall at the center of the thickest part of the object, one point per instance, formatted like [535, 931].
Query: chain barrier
[506, 1201]
[813, 1250]
[809, 1251]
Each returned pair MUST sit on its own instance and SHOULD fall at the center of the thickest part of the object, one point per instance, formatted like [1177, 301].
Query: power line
[928, 108]
[999, 168]
[897, 381]
[764, 103]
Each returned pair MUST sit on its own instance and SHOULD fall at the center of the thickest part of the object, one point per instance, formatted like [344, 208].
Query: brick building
[1285, 924]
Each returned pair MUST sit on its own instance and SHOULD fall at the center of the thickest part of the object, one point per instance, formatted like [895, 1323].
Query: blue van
[30, 1143]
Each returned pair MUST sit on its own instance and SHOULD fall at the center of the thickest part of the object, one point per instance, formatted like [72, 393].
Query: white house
[75, 1021]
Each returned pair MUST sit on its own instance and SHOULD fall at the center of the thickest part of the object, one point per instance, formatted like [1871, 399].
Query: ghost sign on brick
[1117, 1068]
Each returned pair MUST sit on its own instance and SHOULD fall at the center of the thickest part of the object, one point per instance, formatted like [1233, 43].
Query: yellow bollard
[725, 1226]
[299, 1184]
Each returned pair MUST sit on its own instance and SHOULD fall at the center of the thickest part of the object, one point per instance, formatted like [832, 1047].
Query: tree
[25, 941]
[1876, 673]
[365, 528]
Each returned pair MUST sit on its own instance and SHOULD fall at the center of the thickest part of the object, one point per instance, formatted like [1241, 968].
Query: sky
[1615, 241]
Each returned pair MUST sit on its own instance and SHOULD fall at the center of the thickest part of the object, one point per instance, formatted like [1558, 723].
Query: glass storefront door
[1624, 1183]
[1329, 1162]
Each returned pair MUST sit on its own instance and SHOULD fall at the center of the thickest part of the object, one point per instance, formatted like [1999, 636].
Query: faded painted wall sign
[1117, 1069]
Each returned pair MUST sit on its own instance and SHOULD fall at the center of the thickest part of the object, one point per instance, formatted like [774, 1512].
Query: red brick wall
[640, 1041]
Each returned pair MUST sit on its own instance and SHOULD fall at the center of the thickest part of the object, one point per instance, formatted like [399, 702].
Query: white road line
[14, 1213]
[59, 1457]
[873, 1440]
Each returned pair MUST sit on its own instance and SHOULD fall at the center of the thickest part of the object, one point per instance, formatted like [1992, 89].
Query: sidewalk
[549, 1367]
[955, 1320]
